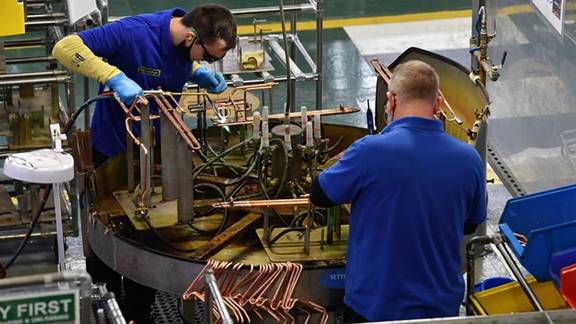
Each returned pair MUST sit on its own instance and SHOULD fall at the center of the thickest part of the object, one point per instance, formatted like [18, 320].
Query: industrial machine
[232, 190]
[35, 93]
[226, 186]
[228, 180]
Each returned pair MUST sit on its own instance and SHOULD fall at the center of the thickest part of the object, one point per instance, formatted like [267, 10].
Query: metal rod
[45, 23]
[264, 203]
[521, 280]
[307, 76]
[35, 6]
[293, 49]
[59, 227]
[43, 279]
[319, 52]
[70, 88]
[286, 61]
[330, 226]
[11, 76]
[86, 83]
[27, 42]
[296, 41]
[130, 163]
[17, 82]
[213, 293]
[337, 222]
[258, 11]
[45, 16]
[295, 115]
[38, 2]
[8, 237]
[145, 173]
[33, 59]
[290, 9]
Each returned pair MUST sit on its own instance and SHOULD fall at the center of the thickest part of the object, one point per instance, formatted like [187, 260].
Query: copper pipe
[296, 202]
[295, 115]
[177, 105]
[184, 132]
[260, 294]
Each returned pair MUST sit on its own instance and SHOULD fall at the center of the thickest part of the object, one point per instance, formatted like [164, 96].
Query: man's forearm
[318, 197]
[76, 56]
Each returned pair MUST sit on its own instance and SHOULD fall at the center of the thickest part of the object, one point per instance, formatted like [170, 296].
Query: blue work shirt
[412, 188]
[141, 47]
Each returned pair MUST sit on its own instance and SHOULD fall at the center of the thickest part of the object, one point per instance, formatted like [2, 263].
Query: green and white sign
[45, 307]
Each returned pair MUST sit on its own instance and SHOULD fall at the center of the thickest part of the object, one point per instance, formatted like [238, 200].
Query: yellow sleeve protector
[76, 56]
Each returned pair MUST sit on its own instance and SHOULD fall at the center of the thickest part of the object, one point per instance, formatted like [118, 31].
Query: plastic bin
[568, 285]
[510, 298]
[491, 283]
[559, 261]
[548, 220]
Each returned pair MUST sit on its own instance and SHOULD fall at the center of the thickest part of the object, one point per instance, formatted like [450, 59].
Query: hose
[218, 157]
[48, 188]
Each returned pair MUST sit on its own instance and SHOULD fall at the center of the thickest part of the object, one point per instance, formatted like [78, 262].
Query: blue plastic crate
[548, 220]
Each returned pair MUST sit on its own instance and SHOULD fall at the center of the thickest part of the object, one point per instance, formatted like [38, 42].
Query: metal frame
[296, 47]
[130, 257]
[49, 16]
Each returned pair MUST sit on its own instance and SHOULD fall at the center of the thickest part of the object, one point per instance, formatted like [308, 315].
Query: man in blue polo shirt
[148, 51]
[415, 191]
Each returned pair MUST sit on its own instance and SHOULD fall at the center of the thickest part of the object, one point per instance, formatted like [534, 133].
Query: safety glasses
[206, 56]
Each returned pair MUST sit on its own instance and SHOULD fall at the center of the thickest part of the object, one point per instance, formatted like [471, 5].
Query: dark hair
[212, 21]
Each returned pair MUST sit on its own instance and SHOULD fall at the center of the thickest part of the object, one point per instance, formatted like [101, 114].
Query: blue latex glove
[211, 81]
[125, 87]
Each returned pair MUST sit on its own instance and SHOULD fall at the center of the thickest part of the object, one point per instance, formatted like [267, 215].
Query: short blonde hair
[414, 80]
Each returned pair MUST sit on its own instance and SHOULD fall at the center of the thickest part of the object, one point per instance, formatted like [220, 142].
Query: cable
[48, 188]
[26, 238]
[218, 157]
[169, 245]
[284, 232]
[163, 240]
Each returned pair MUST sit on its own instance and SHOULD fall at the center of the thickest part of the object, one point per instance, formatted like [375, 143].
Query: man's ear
[391, 100]
[189, 36]
[438, 104]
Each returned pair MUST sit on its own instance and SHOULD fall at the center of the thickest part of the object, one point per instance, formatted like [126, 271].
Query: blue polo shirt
[141, 47]
[412, 188]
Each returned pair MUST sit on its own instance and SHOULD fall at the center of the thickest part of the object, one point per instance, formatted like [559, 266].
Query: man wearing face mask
[415, 191]
[148, 51]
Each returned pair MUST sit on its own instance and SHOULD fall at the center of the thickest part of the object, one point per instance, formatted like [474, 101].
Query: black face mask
[185, 50]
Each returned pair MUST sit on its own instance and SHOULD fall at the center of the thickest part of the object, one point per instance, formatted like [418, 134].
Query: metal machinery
[227, 184]
[532, 123]
[33, 94]
[230, 190]
[530, 144]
